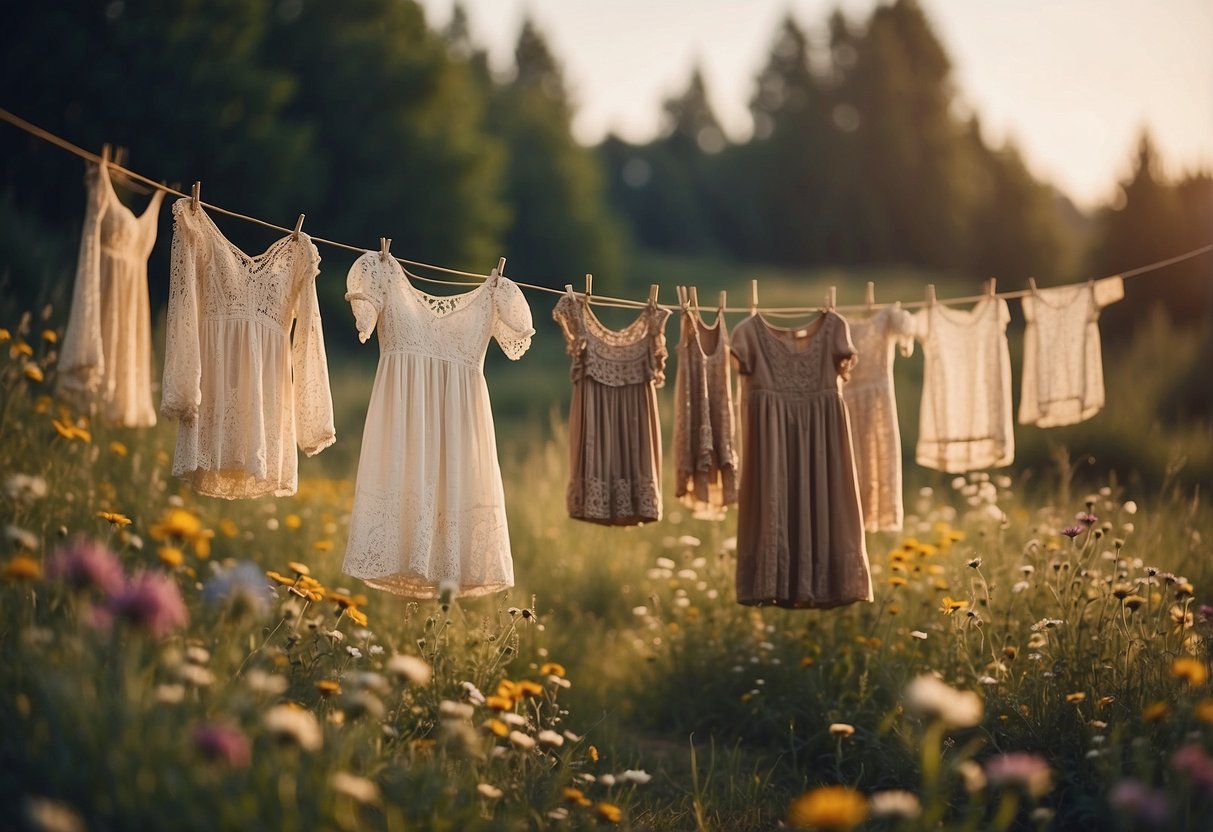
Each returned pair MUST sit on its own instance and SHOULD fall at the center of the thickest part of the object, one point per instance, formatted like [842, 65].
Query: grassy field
[1022, 667]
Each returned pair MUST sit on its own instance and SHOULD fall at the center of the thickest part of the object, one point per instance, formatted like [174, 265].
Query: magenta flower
[1086, 518]
[1192, 760]
[151, 601]
[1148, 805]
[1072, 531]
[1019, 768]
[223, 743]
[84, 564]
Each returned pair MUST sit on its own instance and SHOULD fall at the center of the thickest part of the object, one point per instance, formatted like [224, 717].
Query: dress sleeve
[313, 398]
[364, 291]
[567, 315]
[845, 354]
[181, 389]
[660, 352]
[1108, 291]
[81, 360]
[512, 323]
[740, 347]
[901, 330]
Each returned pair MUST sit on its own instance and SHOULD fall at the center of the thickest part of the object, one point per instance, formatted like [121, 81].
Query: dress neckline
[1038, 296]
[963, 317]
[616, 337]
[252, 258]
[717, 327]
[772, 332]
[114, 198]
[459, 301]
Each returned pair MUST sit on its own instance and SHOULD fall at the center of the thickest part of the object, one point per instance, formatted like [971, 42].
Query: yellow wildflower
[609, 812]
[496, 727]
[176, 523]
[323, 545]
[171, 556]
[299, 568]
[118, 449]
[1156, 712]
[499, 703]
[357, 616]
[1077, 696]
[1105, 701]
[69, 431]
[5, 335]
[328, 686]
[1204, 711]
[576, 796]
[23, 568]
[202, 543]
[50, 336]
[34, 373]
[1134, 602]
[551, 669]
[592, 753]
[529, 688]
[292, 521]
[1190, 670]
[829, 807]
[114, 518]
[20, 348]
[807, 661]
[950, 605]
[344, 600]
[896, 580]
[282, 579]
[228, 528]
[508, 689]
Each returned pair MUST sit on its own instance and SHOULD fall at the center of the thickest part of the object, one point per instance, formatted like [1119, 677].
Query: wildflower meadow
[1035, 658]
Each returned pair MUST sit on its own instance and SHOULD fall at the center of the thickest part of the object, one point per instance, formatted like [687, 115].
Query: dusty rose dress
[799, 523]
[614, 431]
[704, 455]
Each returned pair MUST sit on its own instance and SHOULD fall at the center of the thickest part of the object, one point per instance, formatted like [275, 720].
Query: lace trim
[619, 502]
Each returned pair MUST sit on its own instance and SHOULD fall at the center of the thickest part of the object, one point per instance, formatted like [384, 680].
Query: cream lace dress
[106, 359]
[614, 427]
[429, 508]
[1062, 361]
[965, 418]
[872, 405]
[705, 458]
[241, 386]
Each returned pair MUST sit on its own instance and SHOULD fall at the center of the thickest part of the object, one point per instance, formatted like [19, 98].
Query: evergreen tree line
[373, 124]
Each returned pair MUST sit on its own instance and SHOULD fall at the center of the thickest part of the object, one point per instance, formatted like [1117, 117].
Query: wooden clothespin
[500, 266]
[589, 285]
[120, 154]
[831, 297]
[105, 154]
[991, 284]
[695, 297]
[298, 226]
[930, 294]
[754, 297]
[724, 296]
[680, 293]
[1032, 284]
[196, 196]
[869, 295]
[654, 288]
[385, 245]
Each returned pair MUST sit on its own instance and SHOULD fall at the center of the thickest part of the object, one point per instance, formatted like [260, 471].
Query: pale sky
[1073, 81]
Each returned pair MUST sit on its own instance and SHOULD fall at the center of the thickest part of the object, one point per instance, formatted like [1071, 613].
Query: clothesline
[598, 300]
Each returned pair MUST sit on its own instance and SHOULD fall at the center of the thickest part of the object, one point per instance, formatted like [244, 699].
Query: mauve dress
[800, 537]
[614, 429]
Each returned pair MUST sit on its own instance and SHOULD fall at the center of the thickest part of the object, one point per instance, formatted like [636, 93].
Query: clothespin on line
[754, 297]
[589, 286]
[869, 295]
[1032, 284]
[930, 294]
[680, 292]
[385, 245]
[694, 299]
[991, 284]
[500, 266]
[298, 226]
[724, 296]
[654, 289]
[105, 154]
[831, 297]
[196, 195]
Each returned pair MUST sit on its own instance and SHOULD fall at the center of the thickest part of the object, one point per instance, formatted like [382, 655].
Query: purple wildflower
[1020, 768]
[1086, 518]
[84, 564]
[224, 743]
[1072, 531]
[151, 601]
[1192, 760]
[1146, 804]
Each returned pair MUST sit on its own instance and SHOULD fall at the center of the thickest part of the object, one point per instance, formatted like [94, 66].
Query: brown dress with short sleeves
[800, 539]
[614, 430]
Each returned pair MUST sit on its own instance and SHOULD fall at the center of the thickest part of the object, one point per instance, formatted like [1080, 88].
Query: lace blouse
[614, 429]
[106, 359]
[241, 386]
[1062, 361]
[965, 420]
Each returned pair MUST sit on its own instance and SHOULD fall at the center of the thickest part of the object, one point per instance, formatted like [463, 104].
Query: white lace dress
[241, 386]
[965, 420]
[429, 508]
[1062, 361]
[873, 407]
[106, 359]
